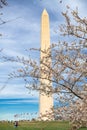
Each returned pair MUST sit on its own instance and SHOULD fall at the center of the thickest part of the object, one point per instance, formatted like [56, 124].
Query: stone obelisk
[46, 99]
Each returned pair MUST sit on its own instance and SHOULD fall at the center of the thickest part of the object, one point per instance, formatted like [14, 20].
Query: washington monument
[46, 99]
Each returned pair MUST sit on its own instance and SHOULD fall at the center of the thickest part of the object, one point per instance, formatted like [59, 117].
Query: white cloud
[20, 101]
[18, 91]
[14, 53]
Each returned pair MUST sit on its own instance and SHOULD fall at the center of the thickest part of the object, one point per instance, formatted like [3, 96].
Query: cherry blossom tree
[2, 3]
[67, 70]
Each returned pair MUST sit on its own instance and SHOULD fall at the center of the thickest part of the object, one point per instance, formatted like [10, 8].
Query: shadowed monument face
[46, 100]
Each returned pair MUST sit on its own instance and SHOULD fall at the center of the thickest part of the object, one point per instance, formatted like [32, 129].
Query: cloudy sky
[22, 31]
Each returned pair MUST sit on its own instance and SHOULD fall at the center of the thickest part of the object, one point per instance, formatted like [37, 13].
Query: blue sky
[23, 32]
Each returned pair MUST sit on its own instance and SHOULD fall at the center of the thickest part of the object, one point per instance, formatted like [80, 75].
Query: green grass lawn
[54, 125]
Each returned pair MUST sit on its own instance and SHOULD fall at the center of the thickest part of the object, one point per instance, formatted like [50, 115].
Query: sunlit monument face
[46, 99]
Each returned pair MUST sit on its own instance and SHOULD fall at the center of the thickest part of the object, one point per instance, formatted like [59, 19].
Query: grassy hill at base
[26, 125]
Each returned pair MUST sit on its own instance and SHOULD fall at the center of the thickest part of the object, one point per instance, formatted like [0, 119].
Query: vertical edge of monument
[46, 101]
